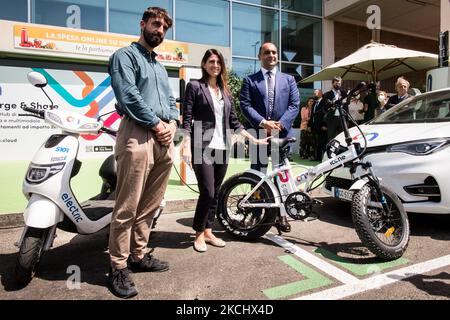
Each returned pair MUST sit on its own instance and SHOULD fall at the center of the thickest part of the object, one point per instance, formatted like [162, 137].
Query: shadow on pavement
[88, 252]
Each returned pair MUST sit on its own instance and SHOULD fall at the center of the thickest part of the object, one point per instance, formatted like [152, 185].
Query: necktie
[271, 93]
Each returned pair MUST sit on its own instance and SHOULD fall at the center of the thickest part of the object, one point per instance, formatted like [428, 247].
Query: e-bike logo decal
[89, 94]
[285, 178]
[336, 161]
[71, 205]
[61, 149]
[302, 177]
[370, 136]
[58, 159]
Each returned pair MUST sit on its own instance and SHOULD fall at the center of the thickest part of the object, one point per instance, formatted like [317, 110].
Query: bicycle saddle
[282, 142]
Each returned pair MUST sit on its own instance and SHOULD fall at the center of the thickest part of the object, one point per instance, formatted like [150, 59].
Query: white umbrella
[376, 61]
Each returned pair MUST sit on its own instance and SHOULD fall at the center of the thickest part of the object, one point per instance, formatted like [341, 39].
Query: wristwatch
[177, 123]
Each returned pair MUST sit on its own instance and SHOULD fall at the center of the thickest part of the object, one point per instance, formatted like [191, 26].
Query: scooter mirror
[37, 79]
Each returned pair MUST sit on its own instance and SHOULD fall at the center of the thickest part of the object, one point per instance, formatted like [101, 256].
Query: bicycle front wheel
[386, 234]
[245, 223]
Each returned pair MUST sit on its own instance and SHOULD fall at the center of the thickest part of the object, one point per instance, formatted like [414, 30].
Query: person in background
[333, 122]
[208, 117]
[356, 110]
[370, 102]
[382, 99]
[270, 101]
[144, 150]
[305, 129]
[318, 127]
[401, 87]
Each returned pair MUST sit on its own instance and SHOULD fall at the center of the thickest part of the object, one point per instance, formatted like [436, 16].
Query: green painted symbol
[313, 280]
[360, 269]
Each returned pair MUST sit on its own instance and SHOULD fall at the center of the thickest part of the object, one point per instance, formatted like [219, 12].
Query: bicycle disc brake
[298, 205]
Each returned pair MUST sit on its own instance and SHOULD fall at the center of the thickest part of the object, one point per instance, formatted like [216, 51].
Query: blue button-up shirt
[141, 86]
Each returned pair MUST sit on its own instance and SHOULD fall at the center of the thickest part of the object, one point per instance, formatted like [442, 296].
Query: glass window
[306, 6]
[301, 39]
[269, 3]
[245, 67]
[79, 14]
[124, 16]
[261, 25]
[200, 21]
[299, 72]
[14, 10]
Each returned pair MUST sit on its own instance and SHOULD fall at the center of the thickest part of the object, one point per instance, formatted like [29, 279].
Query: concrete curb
[15, 220]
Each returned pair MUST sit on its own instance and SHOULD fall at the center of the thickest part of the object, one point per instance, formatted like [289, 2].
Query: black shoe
[148, 264]
[121, 284]
[283, 225]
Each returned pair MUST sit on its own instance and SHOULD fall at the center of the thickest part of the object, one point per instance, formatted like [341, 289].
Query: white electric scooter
[51, 202]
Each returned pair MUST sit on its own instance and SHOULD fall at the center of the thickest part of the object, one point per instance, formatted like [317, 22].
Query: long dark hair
[223, 76]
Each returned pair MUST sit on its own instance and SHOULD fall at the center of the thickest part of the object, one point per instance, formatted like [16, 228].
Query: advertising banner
[88, 93]
[53, 39]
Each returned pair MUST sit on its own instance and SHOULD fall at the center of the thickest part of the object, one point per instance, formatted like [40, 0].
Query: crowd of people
[319, 123]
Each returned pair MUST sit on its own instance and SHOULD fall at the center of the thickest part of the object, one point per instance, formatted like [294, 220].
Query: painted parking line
[313, 260]
[313, 280]
[378, 281]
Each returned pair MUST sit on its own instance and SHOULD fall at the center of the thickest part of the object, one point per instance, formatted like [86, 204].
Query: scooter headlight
[39, 173]
[420, 148]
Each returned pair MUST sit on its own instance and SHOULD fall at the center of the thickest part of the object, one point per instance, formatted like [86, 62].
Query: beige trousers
[143, 170]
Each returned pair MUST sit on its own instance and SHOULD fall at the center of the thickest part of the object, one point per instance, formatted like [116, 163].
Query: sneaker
[148, 263]
[121, 284]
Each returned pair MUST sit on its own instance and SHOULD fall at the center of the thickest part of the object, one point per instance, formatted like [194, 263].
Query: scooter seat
[108, 171]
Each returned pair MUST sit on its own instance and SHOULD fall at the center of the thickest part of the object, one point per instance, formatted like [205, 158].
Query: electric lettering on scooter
[73, 209]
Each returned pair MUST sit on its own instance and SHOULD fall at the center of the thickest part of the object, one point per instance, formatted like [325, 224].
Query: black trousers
[210, 174]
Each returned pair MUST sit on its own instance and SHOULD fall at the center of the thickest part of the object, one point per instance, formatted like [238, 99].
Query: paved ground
[320, 259]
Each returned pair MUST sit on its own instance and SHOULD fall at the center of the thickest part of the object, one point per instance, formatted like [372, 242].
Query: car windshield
[432, 107]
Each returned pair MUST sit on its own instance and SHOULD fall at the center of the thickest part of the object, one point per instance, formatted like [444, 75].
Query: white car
[409, 148]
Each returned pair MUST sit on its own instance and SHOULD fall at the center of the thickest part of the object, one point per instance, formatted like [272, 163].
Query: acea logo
[370, 136]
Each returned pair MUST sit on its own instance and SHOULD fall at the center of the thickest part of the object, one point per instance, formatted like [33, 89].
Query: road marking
[378, 281]
[361, 269]
[310, 258]
[313, 280]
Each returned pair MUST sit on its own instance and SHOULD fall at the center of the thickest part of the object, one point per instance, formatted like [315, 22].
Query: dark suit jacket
[254, 100]
[198, 115]
[394, 100]
[326, 108]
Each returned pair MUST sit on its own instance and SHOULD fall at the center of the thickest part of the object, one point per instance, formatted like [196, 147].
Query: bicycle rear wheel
[245, 223]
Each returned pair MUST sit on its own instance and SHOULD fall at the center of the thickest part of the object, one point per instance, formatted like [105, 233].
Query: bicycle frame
[288, 183]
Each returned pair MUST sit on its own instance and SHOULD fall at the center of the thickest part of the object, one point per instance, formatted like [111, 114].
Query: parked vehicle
[51, 202]
[250, 203]
[408, 147]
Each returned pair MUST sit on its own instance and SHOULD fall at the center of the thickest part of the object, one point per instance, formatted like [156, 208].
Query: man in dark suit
[402, 87]
[318, 127]
[270, 101]
[331, 114]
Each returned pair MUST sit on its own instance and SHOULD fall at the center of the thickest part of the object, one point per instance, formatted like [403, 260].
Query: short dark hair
[336, 79]
[157, 12]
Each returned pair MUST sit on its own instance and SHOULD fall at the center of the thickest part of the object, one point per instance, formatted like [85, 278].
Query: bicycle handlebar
[39, 113]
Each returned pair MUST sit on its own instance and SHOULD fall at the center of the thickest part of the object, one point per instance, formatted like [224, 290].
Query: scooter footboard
[41, 212]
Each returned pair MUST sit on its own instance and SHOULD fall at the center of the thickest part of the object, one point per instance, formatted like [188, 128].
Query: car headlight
[420, 148]
[39, 173]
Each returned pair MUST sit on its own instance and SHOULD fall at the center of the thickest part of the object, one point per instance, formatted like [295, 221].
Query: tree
[235, 84]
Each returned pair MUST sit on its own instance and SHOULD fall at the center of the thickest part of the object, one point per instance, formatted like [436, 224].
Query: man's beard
[152, 39]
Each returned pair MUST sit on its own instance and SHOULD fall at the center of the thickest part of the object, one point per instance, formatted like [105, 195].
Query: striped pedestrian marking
[313, 280]
[313, 260]
[378, 281]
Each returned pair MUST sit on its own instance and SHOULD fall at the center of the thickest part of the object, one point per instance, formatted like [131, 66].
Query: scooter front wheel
[386, 234]
[29, 255]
